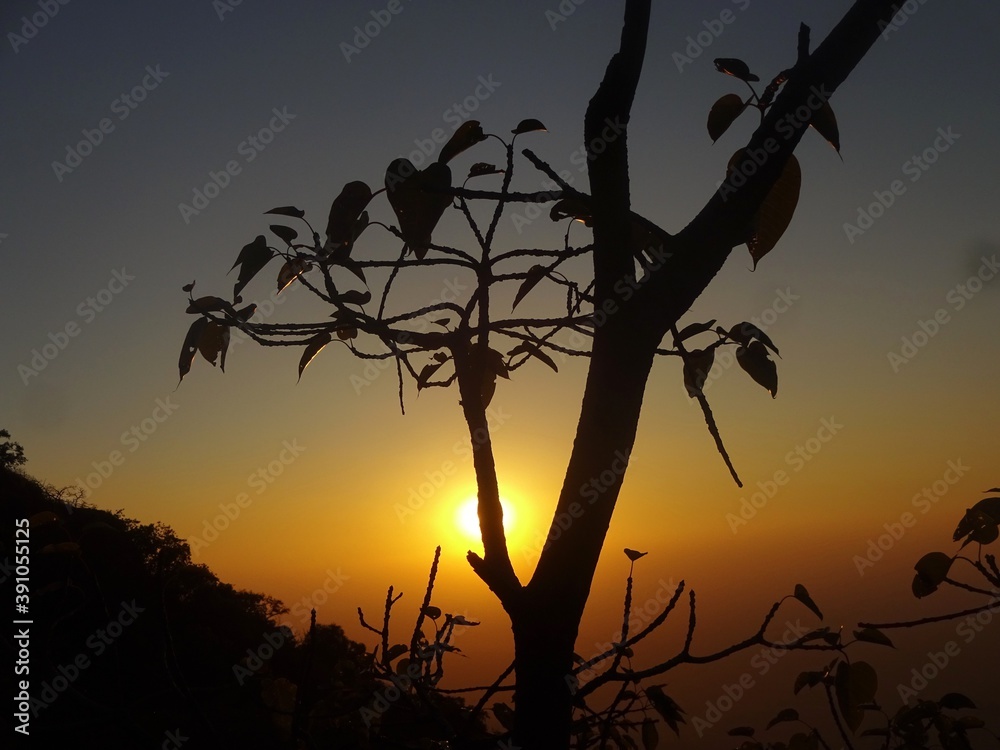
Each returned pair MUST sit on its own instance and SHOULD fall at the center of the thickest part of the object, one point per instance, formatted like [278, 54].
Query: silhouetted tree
[11, 453]
[644, 279]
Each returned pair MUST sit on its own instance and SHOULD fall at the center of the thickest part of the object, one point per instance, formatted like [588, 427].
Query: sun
[467, 518]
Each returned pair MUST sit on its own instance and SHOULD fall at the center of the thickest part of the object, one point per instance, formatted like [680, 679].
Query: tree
[643, 281]
[11, 453]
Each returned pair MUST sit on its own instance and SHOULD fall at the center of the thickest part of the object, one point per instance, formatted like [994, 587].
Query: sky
[882, 298]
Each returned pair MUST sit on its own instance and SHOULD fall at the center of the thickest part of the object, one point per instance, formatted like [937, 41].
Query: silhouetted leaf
[807, 679]
[355, 297]
[425, 374]
[723, 113]
[252, 258]
[666, 707]
[314, 347]
[980, 522]
[528, 126]
[188, 287]
[788, 714]
[871, 635]
[803, 596]
[431, 611]
[460, 620]
[650, 737]
[209, 304]
[342, 223]
[955, 701]
[291, 271]
[527, 347]
[741, 732]
[854, 684]
[736, 68]
[190, 346]
[285, 233]
[566, 208]
[417, 209]
[292, 211]
[398, 650]
[754, 360]
[697, 364]
[347, 333]
[693, 330]
[992, 489]
[533, 276]
[214, 341]
[468, 134]
[775, 213]
[825, 123]
[481, 168]
[745, 332]
[933, 567]
[633, 555]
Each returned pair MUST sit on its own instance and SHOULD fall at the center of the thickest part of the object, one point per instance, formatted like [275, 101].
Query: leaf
[955, 701]
[807, 679]
[292, 211]
[532, 277]
[190, 346]
[460, 620]
[290, 271]
[209, 304]
[481, 168]
[759, 366]
[355, 297]
[855, 684]
[980, 522]
[872, 635]
[933, 567]
[744, 332]
[734, 67]
[468, 134]
[285, 233]
[825, 123]
[528, 126]
[741, 732]
[252, 258]
[347, 333]
[650, 737]
[666, 707]
[571, 208]
[245, 313]
[788, 714]
[697, 364]
[188, 287]
[398, 650]
[214, 340]
[431, 612]
[775, 213]
[417, 209]
[723, 113]
[314, 347]
[346, 209]
[425, 374]
[803, 596]
[633, 555]
[504, 715]
[532, 350]
[693, 330]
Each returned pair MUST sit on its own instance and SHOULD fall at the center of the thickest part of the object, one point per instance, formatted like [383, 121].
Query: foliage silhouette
[627, 312]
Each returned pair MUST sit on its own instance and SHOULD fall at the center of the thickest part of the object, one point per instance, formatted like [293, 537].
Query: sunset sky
[871, 409]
